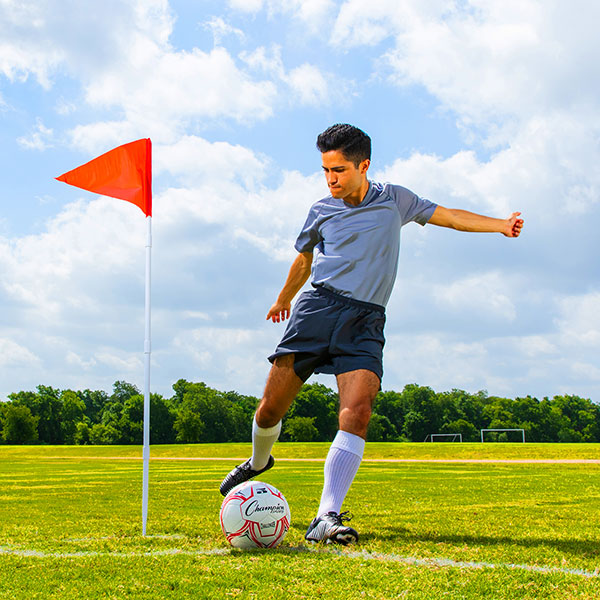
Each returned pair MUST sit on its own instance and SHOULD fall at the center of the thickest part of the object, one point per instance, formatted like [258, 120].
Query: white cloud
[509, 365]
[266, 60]
[125, 61]
[356, 27]
[199, 161]
[581, 198]
[308, 85]
[13, 355]
[183, 85]
[436, 360]
[152, 89]
[60, 269]
[64, 107]
[36, 42]
[481, 59]
[23, 50]
[121, 362]
[484, 294]
[536, 346]
[246, 6]
[74, 293]
[312, 13]
[75, 360]
[221, 29]
[586, 370]
[39, 139]
[579, 321]
[562, 358]
[237, 356]
[97, 138]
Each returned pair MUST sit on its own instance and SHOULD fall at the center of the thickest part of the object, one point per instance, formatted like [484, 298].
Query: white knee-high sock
[341, 465]
[263, 439]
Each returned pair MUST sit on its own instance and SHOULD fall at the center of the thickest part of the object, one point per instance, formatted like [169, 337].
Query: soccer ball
[255, 515]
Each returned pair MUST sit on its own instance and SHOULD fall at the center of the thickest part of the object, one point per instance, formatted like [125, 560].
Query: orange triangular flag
[124, 172]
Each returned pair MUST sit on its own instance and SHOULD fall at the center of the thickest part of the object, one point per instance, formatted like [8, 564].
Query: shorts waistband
[347, 300]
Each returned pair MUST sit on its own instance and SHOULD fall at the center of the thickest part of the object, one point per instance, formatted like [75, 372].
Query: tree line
[197, 413]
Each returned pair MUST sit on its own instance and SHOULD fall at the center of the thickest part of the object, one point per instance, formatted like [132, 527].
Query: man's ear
[364, 166]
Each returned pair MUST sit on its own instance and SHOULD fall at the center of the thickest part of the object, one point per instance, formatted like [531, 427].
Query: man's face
[345, 180]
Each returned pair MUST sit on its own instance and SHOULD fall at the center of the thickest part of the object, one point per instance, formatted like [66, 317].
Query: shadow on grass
[583, 548]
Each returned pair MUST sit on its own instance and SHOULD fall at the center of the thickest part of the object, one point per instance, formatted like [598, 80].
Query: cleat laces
[342, 518]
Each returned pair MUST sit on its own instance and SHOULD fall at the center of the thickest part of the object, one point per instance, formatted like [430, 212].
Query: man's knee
[355, 419]
[268, 414]
[358, 390]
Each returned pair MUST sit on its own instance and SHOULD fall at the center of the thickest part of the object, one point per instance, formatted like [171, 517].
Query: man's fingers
[515, 225]
[277, 316]
[516, 229]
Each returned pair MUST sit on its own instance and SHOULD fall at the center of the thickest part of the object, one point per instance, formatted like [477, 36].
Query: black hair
[352, 142]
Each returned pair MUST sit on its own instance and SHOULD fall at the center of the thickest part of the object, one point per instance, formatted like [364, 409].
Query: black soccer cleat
[241, 473]
[330, 528]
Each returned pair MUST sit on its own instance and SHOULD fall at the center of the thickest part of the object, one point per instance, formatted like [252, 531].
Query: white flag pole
[147, 353]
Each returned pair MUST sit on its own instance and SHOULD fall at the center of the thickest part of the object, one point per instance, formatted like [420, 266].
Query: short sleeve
[309, 237]
[411, 206]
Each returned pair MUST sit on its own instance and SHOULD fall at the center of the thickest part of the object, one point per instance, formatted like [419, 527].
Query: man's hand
[279, 312]
[513, 225]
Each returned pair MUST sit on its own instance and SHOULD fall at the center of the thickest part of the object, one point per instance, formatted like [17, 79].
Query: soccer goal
[498, 431]
[444, 437]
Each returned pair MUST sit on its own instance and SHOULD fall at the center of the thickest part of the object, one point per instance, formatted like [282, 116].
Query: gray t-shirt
[356, 248]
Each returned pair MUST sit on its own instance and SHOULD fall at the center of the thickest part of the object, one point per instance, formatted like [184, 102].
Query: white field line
[515, 461]
[446, 562]
[360, 555]
[166, 536]
[6, 550]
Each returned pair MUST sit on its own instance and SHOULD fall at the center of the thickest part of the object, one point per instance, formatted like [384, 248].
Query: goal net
[503, 435]
[444, 437]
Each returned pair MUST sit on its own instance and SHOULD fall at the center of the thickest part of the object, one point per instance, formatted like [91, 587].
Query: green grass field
[71, 524]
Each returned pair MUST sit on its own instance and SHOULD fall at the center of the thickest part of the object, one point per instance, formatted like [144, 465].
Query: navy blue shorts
[331, 333]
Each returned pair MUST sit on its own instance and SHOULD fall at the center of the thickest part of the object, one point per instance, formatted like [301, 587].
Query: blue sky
[470, 104]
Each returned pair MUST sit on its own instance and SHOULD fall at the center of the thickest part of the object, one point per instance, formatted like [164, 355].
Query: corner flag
[126, 173]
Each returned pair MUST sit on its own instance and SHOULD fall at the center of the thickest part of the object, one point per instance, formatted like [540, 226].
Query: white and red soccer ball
[255, 515]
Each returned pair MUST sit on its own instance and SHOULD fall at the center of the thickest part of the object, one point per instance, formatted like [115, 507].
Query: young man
[351, 242]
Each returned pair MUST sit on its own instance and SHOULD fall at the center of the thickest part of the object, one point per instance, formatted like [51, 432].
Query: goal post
[484, 431]
[449, 437]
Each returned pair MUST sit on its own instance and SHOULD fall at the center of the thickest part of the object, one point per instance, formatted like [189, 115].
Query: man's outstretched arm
[463, 220]
[299, 273]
